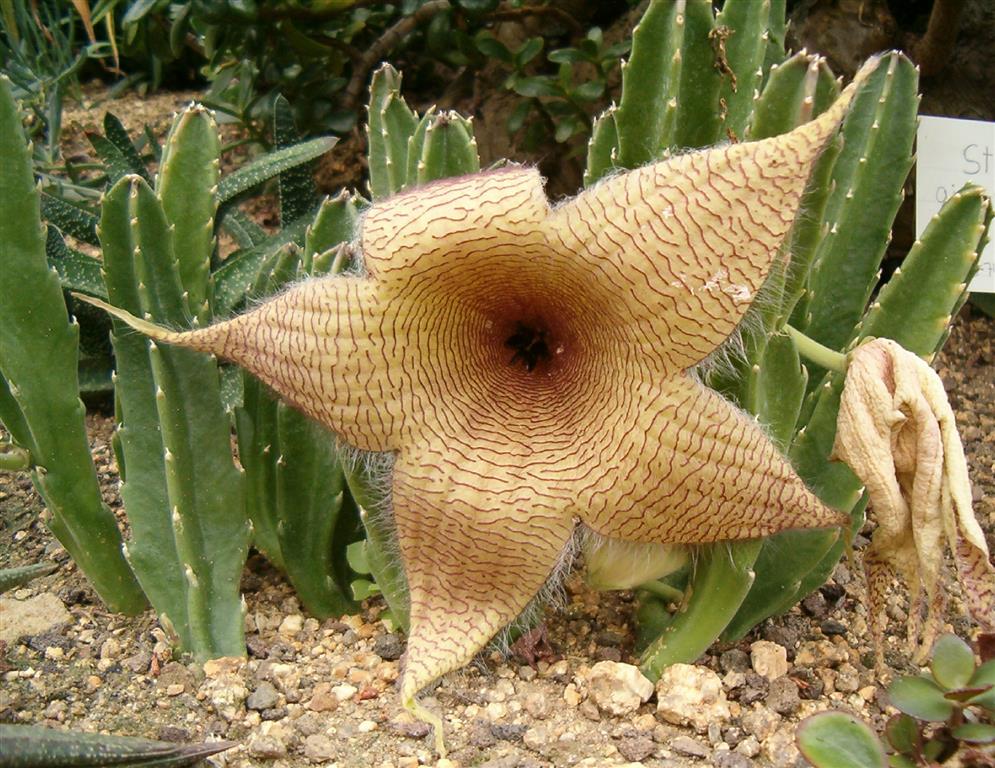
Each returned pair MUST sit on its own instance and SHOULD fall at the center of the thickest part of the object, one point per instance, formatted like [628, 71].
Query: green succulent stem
[709, 605]
[13, 458]
[662, 590]
[818, 353]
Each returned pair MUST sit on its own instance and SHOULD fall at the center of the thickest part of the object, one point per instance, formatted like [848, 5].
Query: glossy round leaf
[975, 733]
[838, 740]
[953, 662]
[921, 698]
[902, 733]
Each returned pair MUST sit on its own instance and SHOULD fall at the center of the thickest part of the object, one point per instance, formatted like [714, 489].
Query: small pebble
[831, 627]
[636, 747]
[734, 660]
[264, 697]
[783, 696]
[388, 647]
[318, 748]
[768, 659]
[508, 731]
[685, 745]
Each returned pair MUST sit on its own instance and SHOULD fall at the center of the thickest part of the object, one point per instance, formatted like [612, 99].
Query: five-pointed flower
[528, 367]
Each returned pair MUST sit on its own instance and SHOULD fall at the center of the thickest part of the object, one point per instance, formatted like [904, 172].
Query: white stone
[769, 659]
[345, 691]
[291, 624]
[690, 695]
[33, 616]
[618, 689]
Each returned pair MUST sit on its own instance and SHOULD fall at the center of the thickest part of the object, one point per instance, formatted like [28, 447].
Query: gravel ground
[315, 692]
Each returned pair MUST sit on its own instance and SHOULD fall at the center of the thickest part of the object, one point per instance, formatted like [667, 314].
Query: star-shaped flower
[528, 367]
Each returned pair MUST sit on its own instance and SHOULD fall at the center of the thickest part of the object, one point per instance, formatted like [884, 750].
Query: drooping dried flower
[527, 366]
[896, 430]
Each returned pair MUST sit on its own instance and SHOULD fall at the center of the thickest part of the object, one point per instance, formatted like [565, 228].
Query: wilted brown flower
[896, 430]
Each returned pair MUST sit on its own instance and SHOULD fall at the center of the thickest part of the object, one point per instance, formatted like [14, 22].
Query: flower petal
[453, 223]
[689, 467]
[689, 241]
[320, 345]
[478, 541]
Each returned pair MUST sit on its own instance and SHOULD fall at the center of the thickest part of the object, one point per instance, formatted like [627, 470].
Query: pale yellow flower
[528, 368]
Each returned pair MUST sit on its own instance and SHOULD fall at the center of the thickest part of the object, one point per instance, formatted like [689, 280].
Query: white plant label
[950, 154]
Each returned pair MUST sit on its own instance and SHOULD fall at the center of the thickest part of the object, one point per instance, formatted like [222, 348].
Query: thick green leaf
[975, 733]
[390, 126]
[38, 362]
[868, 176]
[902, 733]
[449, 148]
[722, 579]
[839, 740]
[602, 150]
[742, 25]
[187, 188]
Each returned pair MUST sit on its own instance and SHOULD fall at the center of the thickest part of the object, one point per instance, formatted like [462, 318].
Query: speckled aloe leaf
[116, 133]
[17, 577]
[77, 271]
[38, 365]
[298, 194]
[270, 165]
[839, 740]
[32, 746]
[71, 219]
[233, 280]
[498, 444]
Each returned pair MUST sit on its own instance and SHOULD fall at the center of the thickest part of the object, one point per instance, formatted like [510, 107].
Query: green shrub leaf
[921, 698]
[953, 662]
